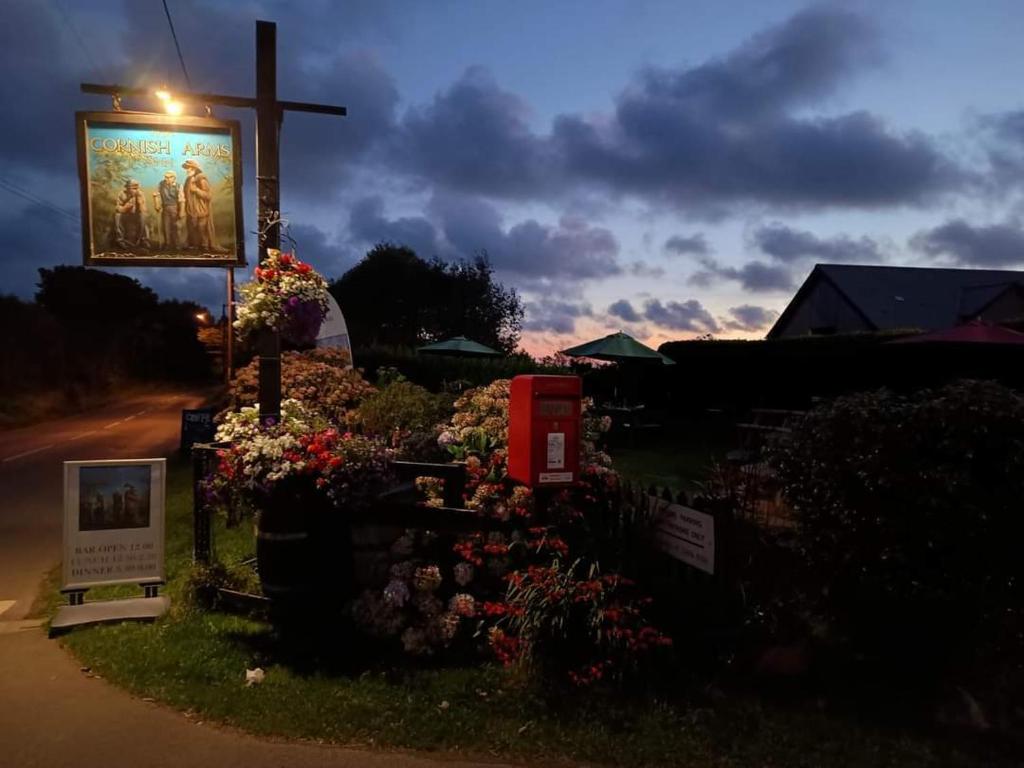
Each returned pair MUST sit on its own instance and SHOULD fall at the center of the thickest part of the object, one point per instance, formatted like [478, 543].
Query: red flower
[285, 259]
[303, 269]
[495, 609]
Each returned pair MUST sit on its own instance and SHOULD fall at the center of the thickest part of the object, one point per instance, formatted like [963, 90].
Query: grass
[676, 457]
[196, 661]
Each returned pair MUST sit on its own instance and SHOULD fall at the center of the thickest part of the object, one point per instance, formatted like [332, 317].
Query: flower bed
[529, 593]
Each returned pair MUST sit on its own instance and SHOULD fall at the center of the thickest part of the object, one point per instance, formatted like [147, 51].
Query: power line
[174, 34]
[78, 37]
[24, 194]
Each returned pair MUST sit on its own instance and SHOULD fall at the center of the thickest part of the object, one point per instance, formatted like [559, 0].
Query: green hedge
[436, 372]
[792, 372]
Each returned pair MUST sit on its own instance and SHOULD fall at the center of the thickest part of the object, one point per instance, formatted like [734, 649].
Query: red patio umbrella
[974, 332]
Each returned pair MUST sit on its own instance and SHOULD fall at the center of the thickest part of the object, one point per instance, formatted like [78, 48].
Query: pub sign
[160, 190]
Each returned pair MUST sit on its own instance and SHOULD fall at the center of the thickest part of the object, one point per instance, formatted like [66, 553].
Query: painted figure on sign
[199, 208]
[116, 508]
[130, 217]
[132, 507]
[169, 202]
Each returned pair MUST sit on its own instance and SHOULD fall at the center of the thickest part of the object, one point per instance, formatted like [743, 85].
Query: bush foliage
[407, 414]
[321, 379]
[910, 520]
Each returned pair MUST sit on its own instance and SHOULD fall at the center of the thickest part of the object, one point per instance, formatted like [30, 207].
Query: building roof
[910, 297]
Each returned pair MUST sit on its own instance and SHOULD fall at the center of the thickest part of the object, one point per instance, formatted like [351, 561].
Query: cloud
[754, 276]
[727, 131]
[680, 316]
[571, 250]
[1007, 126]
[643, 269]
[554, 315]
[624, 311]
[313, 245]
[789, 245]
[732, 130]
[462, 227]
[993, 246]
[218, 43]
[749, 318]
[680, 244]
[40, 90]
[474, 137]
[318, 150]
[35, 237]
[367, 224]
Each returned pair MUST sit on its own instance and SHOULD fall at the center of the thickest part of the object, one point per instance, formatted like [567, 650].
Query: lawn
[677, 456]
[195, 661]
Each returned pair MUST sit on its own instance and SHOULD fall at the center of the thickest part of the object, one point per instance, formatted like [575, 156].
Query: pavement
[52, 712]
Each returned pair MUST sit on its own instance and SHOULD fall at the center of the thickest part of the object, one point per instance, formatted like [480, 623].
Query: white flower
[462, 604]
[463, 574]
[396, 593]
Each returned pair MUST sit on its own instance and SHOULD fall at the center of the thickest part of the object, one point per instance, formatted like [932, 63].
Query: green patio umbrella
[618, 348]
[459, 346]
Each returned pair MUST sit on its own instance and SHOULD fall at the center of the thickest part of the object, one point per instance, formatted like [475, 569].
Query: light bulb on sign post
[174, 107]
[163, 94]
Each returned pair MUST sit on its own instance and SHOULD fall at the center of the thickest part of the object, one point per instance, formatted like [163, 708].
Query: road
[54, 714]
[31, 480]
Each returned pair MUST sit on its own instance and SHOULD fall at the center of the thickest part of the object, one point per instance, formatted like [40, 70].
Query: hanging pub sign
[160, 190]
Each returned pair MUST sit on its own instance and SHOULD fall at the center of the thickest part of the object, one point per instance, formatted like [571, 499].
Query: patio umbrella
[623, 349]
[974, 332]
[619, 348]
[459, 346]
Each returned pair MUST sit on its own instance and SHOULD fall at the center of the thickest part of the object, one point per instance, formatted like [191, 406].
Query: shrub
[321, 379]
[407, 412]
[910, 519]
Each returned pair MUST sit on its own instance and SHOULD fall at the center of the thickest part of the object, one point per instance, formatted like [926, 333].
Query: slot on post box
[544, 430]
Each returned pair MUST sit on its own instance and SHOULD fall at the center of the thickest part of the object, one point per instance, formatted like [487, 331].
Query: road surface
[54, 714]
[31, 479]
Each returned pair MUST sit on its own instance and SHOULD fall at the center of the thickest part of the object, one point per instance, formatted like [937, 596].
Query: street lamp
[171, 106]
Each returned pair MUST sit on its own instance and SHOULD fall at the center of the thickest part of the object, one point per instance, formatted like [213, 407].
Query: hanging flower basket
[286, 295]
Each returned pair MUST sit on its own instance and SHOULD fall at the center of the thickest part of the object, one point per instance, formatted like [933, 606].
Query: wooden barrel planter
[284, 549]
[303, 550]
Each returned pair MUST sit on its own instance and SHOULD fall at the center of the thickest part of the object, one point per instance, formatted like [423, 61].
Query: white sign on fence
[686, 534]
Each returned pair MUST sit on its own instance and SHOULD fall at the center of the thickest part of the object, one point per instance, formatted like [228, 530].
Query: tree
[114, 327]
[394, 297]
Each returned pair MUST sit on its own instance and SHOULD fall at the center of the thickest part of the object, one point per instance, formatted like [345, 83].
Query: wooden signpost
[269, 115]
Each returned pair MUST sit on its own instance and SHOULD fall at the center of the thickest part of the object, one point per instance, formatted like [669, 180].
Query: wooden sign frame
[118, 148]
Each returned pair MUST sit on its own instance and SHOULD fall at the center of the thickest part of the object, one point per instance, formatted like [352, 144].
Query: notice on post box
[556, 450]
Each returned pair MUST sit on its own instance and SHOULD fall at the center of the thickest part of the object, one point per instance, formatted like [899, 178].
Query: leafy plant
[404, 411]
[576, 622]
[910, 518]
[322, 379]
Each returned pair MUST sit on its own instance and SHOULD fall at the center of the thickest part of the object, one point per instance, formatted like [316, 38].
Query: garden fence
[623, 526]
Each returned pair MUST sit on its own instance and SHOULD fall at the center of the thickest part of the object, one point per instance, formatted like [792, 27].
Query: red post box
[544, 430]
